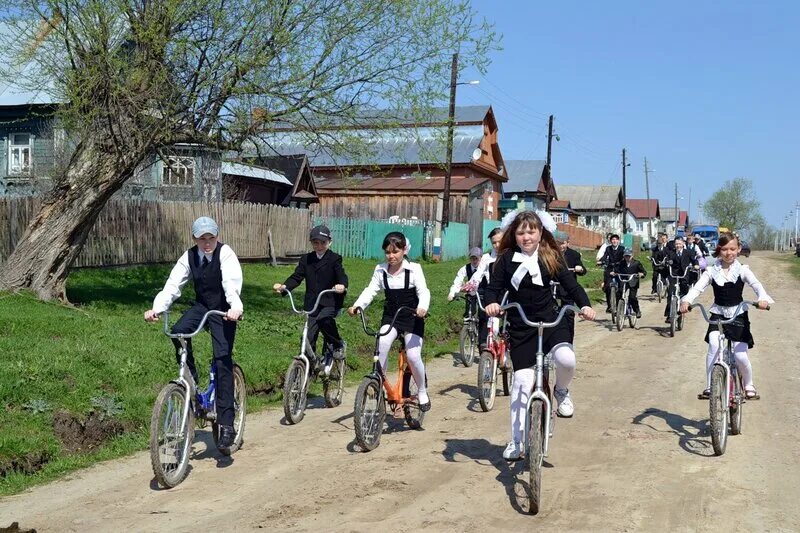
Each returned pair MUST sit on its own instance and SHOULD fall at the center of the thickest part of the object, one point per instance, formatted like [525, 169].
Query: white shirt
[483, 270]
[736, 271]
[396, 281]
[602, 251]
[458, 282]
[231, 279]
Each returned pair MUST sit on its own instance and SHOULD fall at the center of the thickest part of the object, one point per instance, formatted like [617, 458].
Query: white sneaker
[513, 451]
[565, 407]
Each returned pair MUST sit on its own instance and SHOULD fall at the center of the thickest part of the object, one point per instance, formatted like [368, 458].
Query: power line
[543, 116]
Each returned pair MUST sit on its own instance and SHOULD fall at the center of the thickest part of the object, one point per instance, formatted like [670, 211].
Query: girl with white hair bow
[529, 258]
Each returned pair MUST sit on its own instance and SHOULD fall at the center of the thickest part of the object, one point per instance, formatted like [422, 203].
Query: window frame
[12, 146]
[178, 163]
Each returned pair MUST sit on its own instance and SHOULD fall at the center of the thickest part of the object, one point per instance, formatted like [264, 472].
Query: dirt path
[636, 456]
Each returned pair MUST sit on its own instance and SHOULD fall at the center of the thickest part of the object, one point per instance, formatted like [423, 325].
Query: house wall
[43, 157]
[147, 181]
[601, 221]
[242, 189]
[382, 206]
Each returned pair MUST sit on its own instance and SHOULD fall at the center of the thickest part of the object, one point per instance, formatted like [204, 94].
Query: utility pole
[625, 197]
[451, 118]
[647, 172]
[677, 218]
[549, 160]
[796, 213]
[689, 208]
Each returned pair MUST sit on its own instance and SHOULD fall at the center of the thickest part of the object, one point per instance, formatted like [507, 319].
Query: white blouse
[396, 281]
[717, 274]
[231, 279]
[483, 270]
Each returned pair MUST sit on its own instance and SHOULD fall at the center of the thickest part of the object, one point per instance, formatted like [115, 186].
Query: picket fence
[129, 232]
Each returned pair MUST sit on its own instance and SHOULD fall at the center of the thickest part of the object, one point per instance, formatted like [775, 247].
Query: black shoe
[338, 353]
[666, 320]
[425, 407]
[608, 309]
[226, 437]
[638, 314]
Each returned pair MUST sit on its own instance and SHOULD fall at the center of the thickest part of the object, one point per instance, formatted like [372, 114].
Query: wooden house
[529, 183]
[599, 207]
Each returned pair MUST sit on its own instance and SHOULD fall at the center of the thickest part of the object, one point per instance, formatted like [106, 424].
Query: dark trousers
[472, 304]
[671, 291]
[324, 321]
[656, 274]
[632, 298]
[223, 333]
[607, 287]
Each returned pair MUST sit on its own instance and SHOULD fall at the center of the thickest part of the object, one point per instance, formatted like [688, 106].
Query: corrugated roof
[591, 197]
[432, 185]
[384, 147]
[668, 215]
[639, 208]
[560, 204]
[250, 171]
[370, 118]
[524, 175]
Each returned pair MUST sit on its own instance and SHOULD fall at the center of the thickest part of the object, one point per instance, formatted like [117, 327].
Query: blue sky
[707, 90]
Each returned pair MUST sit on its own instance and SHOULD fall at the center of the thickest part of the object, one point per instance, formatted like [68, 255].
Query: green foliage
[107, 406]
[735, 206]
[37, 406]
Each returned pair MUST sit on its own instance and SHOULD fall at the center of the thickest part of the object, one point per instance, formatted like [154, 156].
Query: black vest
[397, 298]
[208, 280]
[470, 271]
[730, 294]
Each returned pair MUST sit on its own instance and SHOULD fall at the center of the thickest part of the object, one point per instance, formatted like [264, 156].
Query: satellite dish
[476, 154]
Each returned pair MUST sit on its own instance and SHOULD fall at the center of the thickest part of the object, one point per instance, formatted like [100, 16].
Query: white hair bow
[547, 220]
[407, 249]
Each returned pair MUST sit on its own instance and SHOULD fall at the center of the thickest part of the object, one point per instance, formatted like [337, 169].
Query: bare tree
[135, 76]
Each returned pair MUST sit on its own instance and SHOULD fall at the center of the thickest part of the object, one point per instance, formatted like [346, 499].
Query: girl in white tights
[528, 259]
[727, 278]
[404, 285]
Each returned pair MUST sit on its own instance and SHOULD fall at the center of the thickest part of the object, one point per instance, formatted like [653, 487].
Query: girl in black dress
[528, 259]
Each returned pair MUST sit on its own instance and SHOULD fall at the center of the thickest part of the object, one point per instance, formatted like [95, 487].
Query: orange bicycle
[375, 392]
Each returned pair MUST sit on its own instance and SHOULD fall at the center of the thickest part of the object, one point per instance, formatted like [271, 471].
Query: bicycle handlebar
[658, 264]
[288, 293]
[189, 335]
[480, 304]
[524, 317]
[391, 324]
[739, 308]
[685, 273]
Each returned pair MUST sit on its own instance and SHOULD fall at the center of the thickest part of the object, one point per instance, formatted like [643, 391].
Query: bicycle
[375, 392]
[468, 338]
[307, 367]
[624, 309]
[659, 274]
[177, 406]
[612, 295]
[726, 392]
[541, 409]
[494, 358]
[676, 318]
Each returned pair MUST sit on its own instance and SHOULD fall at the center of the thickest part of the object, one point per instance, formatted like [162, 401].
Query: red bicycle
[494, 359]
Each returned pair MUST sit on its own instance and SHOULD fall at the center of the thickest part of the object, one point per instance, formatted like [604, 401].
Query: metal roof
[591, 197]
[383, 147]
[249, 171]
[523, 175]
[639, 208]
[668, 215]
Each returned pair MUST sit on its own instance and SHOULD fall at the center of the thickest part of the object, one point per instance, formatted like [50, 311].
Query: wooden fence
[135, 232]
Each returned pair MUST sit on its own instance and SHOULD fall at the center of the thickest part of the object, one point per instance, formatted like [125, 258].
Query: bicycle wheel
[718, 410]
[413, 414]
[508, 377]
[368, 414]
[468, 345]
[333, 385]
[534, 455]
[633, 320]
[239, 406]
[736, 404]
[659, 290]
[294, 394]
[613, 303]
[487, 378]
[171, 442]
[679, 322]
[672, 318]
[620, 318]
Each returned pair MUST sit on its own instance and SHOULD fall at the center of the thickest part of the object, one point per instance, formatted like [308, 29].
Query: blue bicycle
[177, 407]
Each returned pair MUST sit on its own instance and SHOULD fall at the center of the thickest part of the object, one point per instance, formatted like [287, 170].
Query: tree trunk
[42, 258]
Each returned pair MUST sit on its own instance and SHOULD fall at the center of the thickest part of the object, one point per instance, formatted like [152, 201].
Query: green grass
[59, 358]
[794, 264]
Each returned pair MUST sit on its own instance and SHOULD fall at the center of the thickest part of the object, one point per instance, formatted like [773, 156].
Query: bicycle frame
[625, 280]
[393, 393]
[305, 346]
[539, 369]
[184, 376]
[676, 297]
[496, 342]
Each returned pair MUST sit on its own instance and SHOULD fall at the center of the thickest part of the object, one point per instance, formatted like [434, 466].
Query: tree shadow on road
[510, 475]
[692, 434]
[471, 391]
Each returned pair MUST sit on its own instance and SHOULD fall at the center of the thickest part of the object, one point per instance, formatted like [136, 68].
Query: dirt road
[636, 456]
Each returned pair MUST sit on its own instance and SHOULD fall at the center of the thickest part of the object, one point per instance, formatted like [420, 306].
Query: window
[178, 171]
[20, 147]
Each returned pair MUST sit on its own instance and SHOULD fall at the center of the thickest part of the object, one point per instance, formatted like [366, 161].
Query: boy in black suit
[678, 262]
[322, 269]
[611, 261]
[631, 266]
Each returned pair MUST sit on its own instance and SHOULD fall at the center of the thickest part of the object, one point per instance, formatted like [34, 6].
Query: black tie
[205, 262]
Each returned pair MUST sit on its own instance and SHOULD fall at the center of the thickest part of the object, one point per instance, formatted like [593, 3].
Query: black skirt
[525, 342]
[738, 330]
[406, 323]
